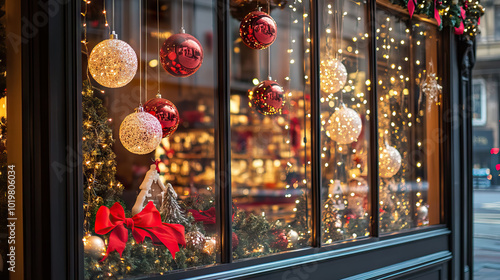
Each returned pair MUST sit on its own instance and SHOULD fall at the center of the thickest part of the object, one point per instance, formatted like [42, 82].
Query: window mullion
[223, 135]
[315, 127]
[374, 145]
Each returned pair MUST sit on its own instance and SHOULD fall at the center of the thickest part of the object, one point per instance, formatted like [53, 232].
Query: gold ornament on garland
[113, 63]
[210, 246]
[140, 132]
[94, 247]
[344, 125]
[389, 161]
[333, 75]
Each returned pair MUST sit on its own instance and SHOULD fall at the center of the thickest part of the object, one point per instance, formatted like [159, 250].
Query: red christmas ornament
[258, 30]
[235, 241]
[181, 55]
[267, 97]
[166, 112]
[281, 242]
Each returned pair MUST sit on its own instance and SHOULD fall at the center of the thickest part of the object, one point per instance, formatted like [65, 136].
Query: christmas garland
[462, 15]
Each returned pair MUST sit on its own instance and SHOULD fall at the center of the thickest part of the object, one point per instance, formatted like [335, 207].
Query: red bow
[460, 30]
[411, 7]
[207, 217]
[156, 163]
[147, 223]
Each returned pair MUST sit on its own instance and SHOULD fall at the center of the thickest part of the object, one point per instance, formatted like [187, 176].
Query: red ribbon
[411, 7]
[156, 163]
[436, 14]
[147, 223]
[207, 217]
[461, 28]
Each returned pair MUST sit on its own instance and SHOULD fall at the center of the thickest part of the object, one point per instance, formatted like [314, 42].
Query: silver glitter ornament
[389, 161]
[140, 132]
[344, 125]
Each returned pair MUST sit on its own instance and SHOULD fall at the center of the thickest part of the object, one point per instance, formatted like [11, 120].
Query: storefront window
[179, 175]
[270, 151]
[409, 94]
[150, 129]
[345, 120]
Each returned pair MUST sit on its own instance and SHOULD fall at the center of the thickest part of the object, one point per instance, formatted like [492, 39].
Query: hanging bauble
[333, 75]
[181, 55]
[389, 162]
[113, 63]
[165, 111]
[267, 97]
[210, 246]
[94, 247]
[280, 242]
[422, 212]
[235, 241]
[195, 240]
[292, 236]
[140, 132]
[258, 30]
[344, 125]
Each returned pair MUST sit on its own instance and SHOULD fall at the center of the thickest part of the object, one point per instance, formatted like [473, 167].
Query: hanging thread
[158, 36]
[269, 48]
[140, 54]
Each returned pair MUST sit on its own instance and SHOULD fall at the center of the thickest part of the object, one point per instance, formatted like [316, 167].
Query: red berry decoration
[267, 97]
[281, 242]
[258, 30]
[235, 241]
[181, 55]
[166, 112]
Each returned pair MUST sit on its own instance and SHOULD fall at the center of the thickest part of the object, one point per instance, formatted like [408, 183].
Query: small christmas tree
[170, 210]
[99, 165]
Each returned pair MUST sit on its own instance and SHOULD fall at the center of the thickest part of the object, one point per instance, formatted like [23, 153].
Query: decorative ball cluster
[333, 75]
[389, 161]
[181, 55]
[140, 133]
[113, 63]
[166, 112]
[258, 30]
[195, 240]
[344, 125]
[267, 98]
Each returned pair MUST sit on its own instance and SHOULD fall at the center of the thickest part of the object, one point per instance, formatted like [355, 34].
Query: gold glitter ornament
[94, 247]
[140, 132]
[389, 161]
[209, 246]
[113, 63]
[344, 125]
[333, 75]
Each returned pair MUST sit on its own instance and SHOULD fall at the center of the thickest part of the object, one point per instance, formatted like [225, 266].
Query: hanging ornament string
[269, 48]
[182, 17]
[113, 19]
[140, 53]
[146, 58]
[158, 36]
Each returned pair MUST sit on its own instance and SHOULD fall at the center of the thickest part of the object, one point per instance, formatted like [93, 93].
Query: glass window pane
[181, 183]
[270, 141]
[408, 92]
[345, 115]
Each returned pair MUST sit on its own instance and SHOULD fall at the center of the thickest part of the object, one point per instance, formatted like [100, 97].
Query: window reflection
[345, 116]
[270, 149]
[408, 89]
